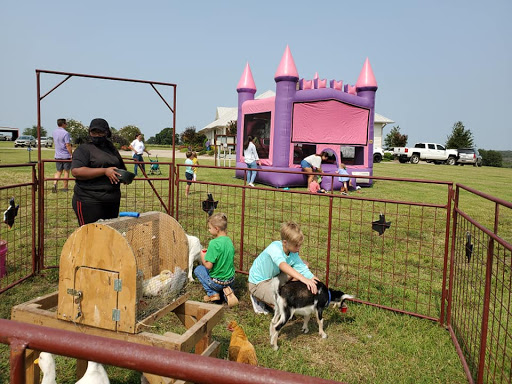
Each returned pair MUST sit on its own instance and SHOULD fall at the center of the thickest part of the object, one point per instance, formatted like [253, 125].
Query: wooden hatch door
[96, 298]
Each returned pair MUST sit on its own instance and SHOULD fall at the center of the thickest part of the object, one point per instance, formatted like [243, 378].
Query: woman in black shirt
[97, 192]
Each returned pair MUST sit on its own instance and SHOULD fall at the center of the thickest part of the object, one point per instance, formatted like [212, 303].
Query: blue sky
[435, 62]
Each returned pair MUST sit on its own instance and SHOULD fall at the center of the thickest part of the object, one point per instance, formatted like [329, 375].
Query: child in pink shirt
[314, 187]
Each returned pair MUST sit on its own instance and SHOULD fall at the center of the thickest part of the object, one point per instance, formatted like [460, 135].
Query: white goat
[194, 254]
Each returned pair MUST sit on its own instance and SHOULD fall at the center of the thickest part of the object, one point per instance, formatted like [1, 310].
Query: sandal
[230, 297]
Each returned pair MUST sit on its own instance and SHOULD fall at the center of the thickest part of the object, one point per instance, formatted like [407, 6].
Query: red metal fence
[158, 361]
[480, 298]
[401, 270]
[18, 244]
[407, 269]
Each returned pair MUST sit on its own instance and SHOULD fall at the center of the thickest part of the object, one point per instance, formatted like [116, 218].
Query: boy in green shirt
[217, 272]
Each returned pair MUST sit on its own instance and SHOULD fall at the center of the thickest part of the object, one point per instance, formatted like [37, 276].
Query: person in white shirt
[313, 163]
[251, 159]
[138, 149]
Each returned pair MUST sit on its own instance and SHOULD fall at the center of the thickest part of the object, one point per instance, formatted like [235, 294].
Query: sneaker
[64, 189]
[230, 297]
[250, 185]
[208, 299]
[54, 188]
[344, 193]
[259, 306]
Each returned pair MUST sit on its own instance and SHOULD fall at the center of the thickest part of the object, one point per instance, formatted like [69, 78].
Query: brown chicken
[240, 348]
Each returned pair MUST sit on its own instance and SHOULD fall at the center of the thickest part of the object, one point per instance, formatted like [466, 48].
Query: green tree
[33, 131]
[129, 132]
[188, 136]
[164, 137]
[79, 133]
[460, 137]
[491, 158]
[231, 127]
[395, 139]
[200, 140]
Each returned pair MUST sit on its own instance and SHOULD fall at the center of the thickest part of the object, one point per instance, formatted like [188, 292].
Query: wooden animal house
[117, 274]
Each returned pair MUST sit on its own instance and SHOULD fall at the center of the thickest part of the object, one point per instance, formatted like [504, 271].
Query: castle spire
[316, 75]
[246, 81]
[366, 77]
[287, 67]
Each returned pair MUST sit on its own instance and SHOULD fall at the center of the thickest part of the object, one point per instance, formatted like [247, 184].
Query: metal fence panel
[144, 194]
[479, 309]
[17, 244]
[401, 269]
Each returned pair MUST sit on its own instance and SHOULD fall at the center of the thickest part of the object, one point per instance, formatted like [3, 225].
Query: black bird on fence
[209, 205]
[10, 213]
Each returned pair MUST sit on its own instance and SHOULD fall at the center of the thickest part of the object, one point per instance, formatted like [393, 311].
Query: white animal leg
[321, 327]
[305, 327]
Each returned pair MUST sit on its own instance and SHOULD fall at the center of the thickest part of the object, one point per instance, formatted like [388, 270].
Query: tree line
[460, 137]
[123, 137]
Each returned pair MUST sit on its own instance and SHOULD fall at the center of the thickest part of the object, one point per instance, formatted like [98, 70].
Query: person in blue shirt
[278, 263]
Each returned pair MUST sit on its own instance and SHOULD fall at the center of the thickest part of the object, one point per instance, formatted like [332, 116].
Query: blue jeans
[210, 286]
[138, 158]
[251, 175]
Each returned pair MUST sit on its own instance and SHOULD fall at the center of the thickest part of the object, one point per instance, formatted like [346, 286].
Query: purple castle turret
[286, 78]
[366, 87]
[246, 90]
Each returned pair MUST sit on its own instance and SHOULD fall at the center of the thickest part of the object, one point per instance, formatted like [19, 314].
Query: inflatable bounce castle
[306, 117]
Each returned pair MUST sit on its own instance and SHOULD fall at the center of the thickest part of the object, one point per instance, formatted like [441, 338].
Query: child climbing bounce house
[306, 117]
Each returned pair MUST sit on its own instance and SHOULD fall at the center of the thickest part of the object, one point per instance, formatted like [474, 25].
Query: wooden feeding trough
[107, 277]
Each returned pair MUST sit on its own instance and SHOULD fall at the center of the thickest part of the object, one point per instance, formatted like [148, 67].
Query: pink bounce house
[306, 117]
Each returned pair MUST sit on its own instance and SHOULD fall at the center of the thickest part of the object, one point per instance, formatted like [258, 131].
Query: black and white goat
[294, 297]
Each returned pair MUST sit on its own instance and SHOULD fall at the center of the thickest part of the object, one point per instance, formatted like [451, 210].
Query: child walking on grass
[277, 264]
[189, 172]
[217, 272]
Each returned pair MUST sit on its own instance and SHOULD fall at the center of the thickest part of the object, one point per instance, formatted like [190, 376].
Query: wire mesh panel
[17, 230]
[480, 316]
[387, 253]
[59, 219]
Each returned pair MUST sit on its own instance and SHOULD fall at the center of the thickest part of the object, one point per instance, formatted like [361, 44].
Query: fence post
[170, 201]
[37, 242]
[242, 224]
[485, 310]
[446, 252]
[177, 191]
[452, 257]
[17, 361]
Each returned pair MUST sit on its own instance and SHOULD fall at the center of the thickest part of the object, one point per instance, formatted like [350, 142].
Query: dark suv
[469, 156]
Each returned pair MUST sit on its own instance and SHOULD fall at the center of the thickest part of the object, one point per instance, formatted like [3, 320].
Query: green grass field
[366, 345]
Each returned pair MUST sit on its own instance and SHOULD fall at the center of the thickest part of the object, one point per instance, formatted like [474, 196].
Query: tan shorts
[266, 291]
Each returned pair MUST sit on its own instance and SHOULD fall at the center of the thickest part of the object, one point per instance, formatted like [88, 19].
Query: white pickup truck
[430, 152]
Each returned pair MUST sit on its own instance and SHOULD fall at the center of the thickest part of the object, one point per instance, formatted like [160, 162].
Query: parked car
[469, 156]
[25, 141]
[46, 141]
[430, 152]
[378, 154]
[3, 137]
